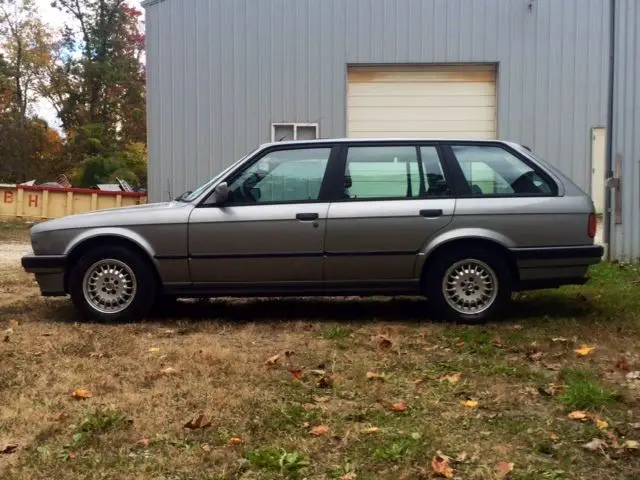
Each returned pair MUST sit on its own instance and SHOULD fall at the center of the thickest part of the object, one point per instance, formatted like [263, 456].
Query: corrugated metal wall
[625, 239]
[221, 71]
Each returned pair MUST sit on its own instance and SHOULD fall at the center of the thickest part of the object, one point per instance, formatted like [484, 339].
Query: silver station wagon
[464, 223]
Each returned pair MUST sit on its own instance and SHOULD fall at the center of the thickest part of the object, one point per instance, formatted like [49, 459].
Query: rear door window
[493, 171]
[393, 172]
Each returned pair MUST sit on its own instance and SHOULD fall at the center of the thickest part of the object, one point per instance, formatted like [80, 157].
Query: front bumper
[49, 271]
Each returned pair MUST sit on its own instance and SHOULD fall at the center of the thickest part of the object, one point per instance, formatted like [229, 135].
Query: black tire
[141, 301]
[438, 268]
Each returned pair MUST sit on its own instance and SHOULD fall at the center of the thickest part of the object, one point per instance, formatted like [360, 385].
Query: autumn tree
[28, 147]
[99, 90]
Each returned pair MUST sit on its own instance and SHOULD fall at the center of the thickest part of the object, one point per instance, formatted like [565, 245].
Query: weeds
[584, 392]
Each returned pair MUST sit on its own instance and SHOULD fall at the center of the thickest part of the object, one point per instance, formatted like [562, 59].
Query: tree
[105, 83]
[28, 147]
[26, 44]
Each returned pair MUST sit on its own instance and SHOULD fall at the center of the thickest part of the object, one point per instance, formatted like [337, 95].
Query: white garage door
[434, 101]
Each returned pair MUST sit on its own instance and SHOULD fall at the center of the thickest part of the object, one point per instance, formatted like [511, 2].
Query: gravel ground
[12, 252]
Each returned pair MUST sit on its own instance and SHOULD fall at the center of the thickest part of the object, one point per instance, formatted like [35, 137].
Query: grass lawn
[236, 389]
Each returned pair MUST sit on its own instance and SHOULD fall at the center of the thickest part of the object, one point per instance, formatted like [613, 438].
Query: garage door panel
[423, 101]
[421, 114]
[421, 89]
[429, 126]
[421, 74]
[431, 101]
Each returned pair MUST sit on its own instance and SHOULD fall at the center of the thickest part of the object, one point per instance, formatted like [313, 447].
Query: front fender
[459, 234]
[124, 233]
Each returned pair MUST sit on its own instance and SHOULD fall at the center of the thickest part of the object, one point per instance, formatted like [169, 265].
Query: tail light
[591, 229]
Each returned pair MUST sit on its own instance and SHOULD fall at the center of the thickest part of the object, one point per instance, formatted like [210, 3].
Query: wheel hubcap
[109, 286]
[470, 286]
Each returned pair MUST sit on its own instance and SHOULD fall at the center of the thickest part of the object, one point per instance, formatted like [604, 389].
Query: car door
[270, 231]
[396, 198]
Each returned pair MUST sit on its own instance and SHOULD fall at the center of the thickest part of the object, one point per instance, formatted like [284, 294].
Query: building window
[281, 132]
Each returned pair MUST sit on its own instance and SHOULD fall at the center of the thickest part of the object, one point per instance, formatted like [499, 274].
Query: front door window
[282, 176]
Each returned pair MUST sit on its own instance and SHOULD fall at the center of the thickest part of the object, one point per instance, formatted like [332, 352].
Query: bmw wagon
[463, 223]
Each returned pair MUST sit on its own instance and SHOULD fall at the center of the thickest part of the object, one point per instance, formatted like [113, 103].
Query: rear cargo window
[493, 171]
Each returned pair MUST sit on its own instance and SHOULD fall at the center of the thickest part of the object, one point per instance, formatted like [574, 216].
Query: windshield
[191, 195]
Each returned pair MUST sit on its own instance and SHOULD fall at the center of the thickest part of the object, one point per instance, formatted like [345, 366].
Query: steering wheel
[248, 185]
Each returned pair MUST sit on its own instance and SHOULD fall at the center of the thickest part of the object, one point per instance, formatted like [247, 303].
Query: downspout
[609, 152]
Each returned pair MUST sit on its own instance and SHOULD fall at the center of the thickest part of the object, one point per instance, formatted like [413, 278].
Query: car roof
[390, 139]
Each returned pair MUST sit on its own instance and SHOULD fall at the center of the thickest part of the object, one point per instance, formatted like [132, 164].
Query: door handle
[431, 213]
[307, 217]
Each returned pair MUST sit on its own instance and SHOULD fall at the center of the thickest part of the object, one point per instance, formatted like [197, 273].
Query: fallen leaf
[319, 430]
[577, 415]
[296, 374]
[80, 393]
[271, 361]
[452, 379]
[584, 350]
[205, 447]
[321, 399]
[612, 438]
[325, 382]
[631, 444]
[462, 457]
[553, 366]
[13, 322]
[497, 341]
[384, 342]
[469, 403]
[198, 423]
[554, 436]
[601, 424]
[622, 364]
[319, 372]
[441, 467]
[635, 426]
[399, 407]
[154, 349]
[504, 469]
[169, 371]
[559, 340]
[460, 344]
[635, 375]
[595, 445]
[374, 376]
[535, 356]
[349, 476]
[370, 430]
[235, 440]
[143, 441]
[9, 448]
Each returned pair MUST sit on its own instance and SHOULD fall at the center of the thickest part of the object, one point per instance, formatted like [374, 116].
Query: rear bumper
[49, 271]
[550, 267]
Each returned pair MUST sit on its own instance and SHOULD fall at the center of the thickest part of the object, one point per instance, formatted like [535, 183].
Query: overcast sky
[56, 19]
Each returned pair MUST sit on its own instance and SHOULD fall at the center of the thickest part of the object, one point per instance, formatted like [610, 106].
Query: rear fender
[459, 234]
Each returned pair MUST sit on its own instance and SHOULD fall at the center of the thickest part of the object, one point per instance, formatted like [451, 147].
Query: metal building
[227, 75]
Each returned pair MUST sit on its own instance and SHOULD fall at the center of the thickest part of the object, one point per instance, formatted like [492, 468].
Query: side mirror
[221, 193]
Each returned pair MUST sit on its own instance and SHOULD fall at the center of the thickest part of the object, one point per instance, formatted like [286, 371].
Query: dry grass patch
[194, 396]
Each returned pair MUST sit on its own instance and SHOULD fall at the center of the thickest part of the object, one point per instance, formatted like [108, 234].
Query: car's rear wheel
[112, 284]
[468, 285]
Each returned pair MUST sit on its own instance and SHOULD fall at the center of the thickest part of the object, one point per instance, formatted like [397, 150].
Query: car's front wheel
[112, 284]
[469, 285]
